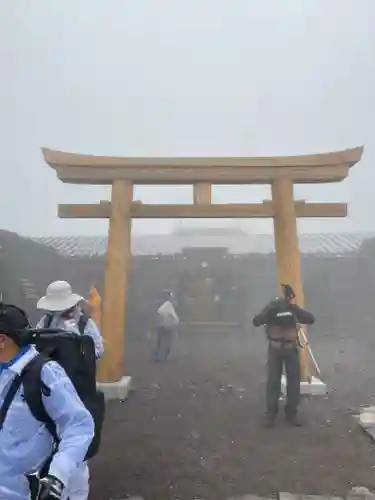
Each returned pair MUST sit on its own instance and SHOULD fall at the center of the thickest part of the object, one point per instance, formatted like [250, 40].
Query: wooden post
[287, 249]
[114, 304]
[202, 193]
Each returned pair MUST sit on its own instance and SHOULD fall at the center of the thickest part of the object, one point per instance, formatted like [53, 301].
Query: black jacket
[304, 317]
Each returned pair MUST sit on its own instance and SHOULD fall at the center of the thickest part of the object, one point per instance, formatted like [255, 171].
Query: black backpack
[76, 355]
[282, 314]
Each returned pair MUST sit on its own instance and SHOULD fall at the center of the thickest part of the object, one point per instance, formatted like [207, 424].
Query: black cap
[288, 292]
[12, 319]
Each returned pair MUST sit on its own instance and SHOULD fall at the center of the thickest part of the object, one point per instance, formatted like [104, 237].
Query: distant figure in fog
[167, 323]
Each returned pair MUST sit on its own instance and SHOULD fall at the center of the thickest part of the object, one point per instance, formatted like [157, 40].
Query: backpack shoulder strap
[82, 322]
[47, 320]
[33, 390]
[15, 385]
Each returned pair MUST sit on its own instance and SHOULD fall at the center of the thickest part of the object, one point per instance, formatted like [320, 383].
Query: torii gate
[122, 173]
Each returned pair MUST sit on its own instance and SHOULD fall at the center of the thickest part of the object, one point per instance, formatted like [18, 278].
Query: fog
[163, 77]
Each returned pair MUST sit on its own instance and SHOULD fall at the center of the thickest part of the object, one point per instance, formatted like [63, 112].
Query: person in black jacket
[280, 318]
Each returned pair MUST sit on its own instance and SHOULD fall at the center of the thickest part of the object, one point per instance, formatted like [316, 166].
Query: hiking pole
[306, 343]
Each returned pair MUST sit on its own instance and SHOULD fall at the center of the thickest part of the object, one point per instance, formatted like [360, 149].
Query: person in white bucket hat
[59, 297]
[63, 310]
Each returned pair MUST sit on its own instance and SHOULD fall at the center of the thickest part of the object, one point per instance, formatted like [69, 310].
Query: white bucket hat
[59, 297]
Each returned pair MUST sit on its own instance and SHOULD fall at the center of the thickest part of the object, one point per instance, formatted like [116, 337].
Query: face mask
[70, 324]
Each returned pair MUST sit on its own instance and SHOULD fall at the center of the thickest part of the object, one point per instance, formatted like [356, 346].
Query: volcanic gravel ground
[193, 426]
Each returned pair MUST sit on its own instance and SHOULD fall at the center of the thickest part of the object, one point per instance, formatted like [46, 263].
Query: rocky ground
[193, 427]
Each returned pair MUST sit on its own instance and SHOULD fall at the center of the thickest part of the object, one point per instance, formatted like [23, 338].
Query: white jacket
[167, 316]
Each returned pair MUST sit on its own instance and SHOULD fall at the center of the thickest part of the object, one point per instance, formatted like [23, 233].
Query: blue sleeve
[74, 423]
[93, 331]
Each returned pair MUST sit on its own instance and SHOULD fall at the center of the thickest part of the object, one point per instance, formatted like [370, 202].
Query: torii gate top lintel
[88, 169]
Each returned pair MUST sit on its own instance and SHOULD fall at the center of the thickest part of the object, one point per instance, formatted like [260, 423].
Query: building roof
[236, 242]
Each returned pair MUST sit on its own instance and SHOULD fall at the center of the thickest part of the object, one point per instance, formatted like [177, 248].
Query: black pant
[289, 356]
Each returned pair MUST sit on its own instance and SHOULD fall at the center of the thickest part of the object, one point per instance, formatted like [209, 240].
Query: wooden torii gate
[122, 173]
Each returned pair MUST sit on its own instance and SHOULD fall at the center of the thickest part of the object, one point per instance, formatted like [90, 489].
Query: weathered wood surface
[102, 210]
[59, 158]
[287, 247]
[202, 192]
[115, 286]
[188, 175]
[88, 169]
[286, 236]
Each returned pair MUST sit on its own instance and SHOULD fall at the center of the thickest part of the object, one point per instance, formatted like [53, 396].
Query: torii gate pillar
[111, 366]
[286, 236]
[287, 248]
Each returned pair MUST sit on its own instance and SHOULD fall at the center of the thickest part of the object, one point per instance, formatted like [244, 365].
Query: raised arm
[93, 331]
[303, 316]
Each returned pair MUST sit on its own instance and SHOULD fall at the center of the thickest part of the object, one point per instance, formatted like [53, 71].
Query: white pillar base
[315, 388]
[116, 390]
[366, 420]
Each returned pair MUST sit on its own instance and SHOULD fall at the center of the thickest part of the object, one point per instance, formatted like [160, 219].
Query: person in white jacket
[63, 311]
[25, 443]
[167, 323]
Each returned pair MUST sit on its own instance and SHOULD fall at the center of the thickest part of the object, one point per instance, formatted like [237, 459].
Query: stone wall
[340, 290]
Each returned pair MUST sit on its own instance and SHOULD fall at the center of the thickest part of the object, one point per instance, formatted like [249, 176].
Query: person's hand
[50, 488]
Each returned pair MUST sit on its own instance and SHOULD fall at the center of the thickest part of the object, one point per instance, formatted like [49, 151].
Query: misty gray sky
[183, 77]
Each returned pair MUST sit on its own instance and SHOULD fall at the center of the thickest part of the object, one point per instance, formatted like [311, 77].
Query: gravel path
[193, 427]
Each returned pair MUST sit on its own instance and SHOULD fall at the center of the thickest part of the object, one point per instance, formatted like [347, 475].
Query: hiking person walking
[167, 323]
[64, 312]
[28, 451]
